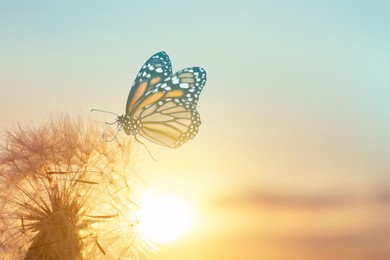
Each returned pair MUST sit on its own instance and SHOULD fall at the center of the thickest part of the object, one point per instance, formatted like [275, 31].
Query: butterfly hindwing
[155, 70]
[169, 122]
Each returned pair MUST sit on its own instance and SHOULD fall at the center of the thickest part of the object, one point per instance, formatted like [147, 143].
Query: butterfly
[161, 106]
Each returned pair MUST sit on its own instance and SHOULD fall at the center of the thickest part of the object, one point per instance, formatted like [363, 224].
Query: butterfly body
[130, 126]
[161, 106]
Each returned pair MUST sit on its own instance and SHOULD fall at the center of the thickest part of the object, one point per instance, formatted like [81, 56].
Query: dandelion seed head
[66, 193]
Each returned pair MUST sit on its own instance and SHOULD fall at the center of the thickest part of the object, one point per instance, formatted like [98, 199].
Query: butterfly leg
[113, 122]
[154, 159]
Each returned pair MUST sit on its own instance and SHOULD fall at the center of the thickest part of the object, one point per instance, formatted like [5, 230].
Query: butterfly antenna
[104, 111]
[154, 159]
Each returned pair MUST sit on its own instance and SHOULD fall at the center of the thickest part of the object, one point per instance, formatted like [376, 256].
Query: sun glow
[164, 218]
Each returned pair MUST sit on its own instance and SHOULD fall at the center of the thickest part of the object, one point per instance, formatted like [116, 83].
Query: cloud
[323, 200]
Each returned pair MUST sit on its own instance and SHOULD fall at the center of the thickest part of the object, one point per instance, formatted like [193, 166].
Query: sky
[296, 101]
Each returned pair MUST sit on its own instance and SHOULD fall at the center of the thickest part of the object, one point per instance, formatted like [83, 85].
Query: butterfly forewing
[155, 70]
[189, 82]
[184, 85]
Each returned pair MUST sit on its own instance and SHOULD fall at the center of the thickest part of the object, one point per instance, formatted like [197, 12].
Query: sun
[164, 218]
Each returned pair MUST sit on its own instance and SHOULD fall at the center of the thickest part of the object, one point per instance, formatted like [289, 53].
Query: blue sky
[297, 92]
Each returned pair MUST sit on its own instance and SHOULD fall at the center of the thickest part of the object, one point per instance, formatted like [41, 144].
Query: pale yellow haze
[291, 161]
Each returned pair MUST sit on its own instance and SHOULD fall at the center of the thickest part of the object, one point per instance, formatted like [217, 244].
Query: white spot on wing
[175, 80]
